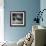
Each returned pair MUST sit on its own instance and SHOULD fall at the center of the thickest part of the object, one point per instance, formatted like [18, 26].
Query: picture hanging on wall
[17, 18]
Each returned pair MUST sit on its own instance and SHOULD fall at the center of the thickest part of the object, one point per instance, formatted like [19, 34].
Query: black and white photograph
[17, 18]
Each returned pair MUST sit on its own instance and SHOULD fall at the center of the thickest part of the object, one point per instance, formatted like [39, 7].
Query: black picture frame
[17, 18]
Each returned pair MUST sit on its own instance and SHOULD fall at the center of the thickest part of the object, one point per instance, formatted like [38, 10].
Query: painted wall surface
[30, 6]
[43, 6]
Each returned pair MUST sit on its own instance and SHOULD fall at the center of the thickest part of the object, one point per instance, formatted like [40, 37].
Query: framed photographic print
[17, 18]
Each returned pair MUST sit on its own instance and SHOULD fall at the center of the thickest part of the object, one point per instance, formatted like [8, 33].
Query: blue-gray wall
[43, 6]
[30, 6]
